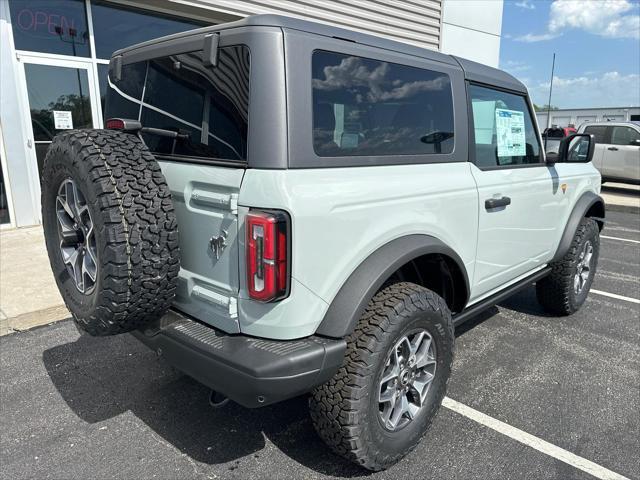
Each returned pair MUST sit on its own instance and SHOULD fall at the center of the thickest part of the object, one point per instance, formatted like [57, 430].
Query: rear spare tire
[110, 229]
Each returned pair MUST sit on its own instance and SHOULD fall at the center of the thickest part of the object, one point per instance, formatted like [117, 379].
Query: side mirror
[577, 148]
[552, 157]
[635, 142]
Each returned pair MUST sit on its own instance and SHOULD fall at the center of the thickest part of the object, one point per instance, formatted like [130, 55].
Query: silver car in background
[617, 152]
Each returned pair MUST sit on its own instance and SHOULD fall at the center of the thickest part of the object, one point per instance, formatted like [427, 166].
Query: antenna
[553, 66]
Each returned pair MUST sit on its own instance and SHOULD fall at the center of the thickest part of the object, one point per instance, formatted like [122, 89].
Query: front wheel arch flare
[356, 292]
[588, 205]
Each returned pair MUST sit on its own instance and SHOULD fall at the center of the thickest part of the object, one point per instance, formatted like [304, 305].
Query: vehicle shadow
[102, 378]
[524, 301]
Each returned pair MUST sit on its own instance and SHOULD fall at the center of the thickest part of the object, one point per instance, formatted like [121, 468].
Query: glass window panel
[624, 136]
[116, 27]
[598, 131]
[4, 204]
[175, 89]
[103, 82]
[57, 89]
[503, 128]
[125, 102]
[208, 105]
[363, 106]
[50, 26]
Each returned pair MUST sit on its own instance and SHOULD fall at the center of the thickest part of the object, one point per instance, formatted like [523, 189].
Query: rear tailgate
[206, 203]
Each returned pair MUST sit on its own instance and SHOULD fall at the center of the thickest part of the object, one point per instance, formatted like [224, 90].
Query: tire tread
[140, 261]
[336, 406]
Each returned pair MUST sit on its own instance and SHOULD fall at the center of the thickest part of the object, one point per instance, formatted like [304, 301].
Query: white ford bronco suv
[279, 207]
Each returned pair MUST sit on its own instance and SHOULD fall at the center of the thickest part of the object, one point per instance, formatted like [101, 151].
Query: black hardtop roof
[473, 71]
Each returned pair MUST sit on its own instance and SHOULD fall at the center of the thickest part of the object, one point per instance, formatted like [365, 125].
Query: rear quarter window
[367, 107]
[209, 105]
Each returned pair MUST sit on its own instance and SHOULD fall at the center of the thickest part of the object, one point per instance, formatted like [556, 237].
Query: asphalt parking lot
[80, 407]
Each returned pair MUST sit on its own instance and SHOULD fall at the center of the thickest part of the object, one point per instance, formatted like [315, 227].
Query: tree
[42, 120]
[544, 108]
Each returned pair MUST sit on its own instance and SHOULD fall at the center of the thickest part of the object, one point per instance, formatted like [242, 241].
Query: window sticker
[62, 120]
[510, 133]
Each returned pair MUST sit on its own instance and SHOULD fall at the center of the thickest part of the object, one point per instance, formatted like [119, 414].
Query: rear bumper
[251, 371]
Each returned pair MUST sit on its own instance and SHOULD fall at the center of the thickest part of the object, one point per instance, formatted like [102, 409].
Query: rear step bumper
[251, 371]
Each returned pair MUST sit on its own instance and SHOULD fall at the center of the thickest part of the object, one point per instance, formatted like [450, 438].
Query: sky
[597, 47]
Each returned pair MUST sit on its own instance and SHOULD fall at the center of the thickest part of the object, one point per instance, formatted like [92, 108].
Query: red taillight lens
[114, 124]
[267, 255]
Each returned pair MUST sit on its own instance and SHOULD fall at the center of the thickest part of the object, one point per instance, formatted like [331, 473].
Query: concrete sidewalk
[28, 292]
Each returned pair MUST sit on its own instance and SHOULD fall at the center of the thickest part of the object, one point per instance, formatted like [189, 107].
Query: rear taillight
[267, 255]
[114, 124]
[125, 124]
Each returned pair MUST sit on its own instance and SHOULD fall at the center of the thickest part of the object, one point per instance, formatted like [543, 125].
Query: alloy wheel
[583, 269]
[77, 236]
[409, 371]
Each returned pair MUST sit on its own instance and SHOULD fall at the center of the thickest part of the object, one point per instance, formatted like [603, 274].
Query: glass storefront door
[5, 216]
[61, 95]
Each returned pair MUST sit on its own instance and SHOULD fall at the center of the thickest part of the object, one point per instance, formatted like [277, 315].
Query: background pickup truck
[617, 152]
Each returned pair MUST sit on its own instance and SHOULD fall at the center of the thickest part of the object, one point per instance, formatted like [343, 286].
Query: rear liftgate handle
[492, 203]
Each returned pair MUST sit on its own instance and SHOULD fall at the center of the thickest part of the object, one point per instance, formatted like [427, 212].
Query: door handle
[613, 149]
[491, 203]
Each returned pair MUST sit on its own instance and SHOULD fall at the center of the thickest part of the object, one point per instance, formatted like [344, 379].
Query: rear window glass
[368, 107]
[208, 106]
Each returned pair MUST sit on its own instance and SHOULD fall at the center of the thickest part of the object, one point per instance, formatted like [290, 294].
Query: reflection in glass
[50, 26]
[209, 106]
[103, 74]
[488, 106]
[56, 89]
[368, 107]
[578, 149]
[116, 27]
[4, 204]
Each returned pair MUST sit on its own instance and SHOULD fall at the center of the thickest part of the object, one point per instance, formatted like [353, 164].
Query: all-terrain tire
[556, 292]
[135, 231]
[345, 410]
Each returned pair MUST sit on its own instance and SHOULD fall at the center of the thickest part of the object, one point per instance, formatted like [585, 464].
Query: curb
[29, 320]
[613, 207]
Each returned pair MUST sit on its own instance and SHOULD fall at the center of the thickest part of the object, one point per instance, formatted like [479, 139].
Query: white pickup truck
[617, 151]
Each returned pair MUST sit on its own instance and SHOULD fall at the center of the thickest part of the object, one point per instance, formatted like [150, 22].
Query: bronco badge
[218, 243]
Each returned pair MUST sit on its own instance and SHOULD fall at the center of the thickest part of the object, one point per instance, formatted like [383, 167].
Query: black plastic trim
[582, 206]
[498, 297]
[210, 49]
[251, 371]
[366, 280]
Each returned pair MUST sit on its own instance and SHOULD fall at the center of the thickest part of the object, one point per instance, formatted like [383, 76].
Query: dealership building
[577, 116]
[54, 57]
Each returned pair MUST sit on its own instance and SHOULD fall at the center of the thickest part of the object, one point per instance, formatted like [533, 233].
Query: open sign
[39, 21]
[51, 26]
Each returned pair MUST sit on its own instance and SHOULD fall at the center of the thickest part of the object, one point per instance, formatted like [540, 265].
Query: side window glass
[503, 127]
[599, 133]
[367, 107]
[624, 136]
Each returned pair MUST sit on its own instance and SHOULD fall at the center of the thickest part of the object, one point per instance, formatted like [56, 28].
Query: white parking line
[532, 441]
[614, 295]
[619, 239]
